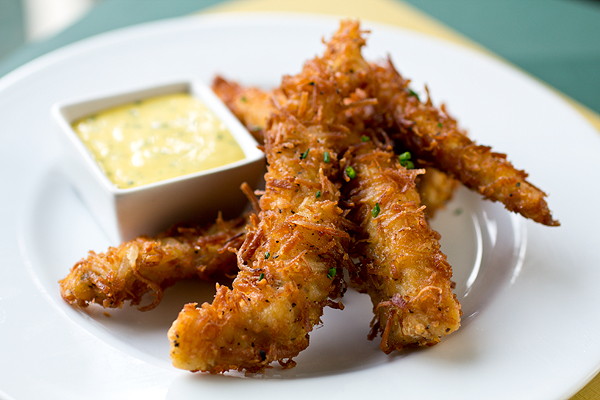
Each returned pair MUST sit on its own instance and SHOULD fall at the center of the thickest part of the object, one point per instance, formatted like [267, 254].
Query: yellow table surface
[405, 16]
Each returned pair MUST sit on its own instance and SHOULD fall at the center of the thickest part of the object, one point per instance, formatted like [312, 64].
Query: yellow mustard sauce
[156, 139]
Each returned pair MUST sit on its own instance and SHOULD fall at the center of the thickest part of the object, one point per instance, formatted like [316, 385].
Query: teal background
[11, 26]
[558, 41]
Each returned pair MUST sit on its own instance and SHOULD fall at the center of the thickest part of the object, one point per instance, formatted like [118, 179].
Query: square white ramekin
[146, 210]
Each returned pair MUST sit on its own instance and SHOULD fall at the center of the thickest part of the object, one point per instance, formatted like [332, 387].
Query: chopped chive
[331, 273]
[351, 172]
[318, 194]
[326, 157]
[376, 210]
[404, 159]
[267, 255]
[364, 138]
[261, 277]
[305, 154]
[243, 99]
[440, 125]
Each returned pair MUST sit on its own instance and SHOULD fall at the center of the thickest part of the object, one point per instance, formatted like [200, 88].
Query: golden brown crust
[402, 267]
[144, 264]
[432, 135]
[254, 106]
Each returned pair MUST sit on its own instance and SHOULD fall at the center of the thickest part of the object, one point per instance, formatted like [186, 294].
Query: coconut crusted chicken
[143, 265]
[433, 136]
[291, 262]
[401, 265]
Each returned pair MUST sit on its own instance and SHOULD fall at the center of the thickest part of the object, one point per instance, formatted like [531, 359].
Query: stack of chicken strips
[356, 163]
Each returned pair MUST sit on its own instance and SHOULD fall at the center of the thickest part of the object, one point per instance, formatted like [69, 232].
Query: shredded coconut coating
[253, 107]
[432, 135]
[144, 265]
[402, 267]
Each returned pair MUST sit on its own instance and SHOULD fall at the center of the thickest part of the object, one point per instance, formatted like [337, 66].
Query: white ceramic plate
[531, 327]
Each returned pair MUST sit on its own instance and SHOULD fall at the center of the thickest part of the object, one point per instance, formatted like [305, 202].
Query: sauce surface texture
[156, 139]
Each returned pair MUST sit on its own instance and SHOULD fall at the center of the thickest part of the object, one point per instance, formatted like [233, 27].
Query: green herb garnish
[351, 172]
[331, 273]
[305, 154]
[267, 255]
[318, 194]
[364, 138]
[376, 210]
[326, 157]
[404, 159]
[261, 277]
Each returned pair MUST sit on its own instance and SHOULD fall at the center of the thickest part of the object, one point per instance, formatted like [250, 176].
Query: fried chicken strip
[432, 135]
[402, 267]
[291, 262]
[144, 264]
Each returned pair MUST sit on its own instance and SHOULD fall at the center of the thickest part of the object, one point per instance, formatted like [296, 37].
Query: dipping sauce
[156, 139]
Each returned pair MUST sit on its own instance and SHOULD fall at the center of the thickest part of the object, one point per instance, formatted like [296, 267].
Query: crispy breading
[434, 136]
[253, 106]
[144, 264]
[402, 267]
